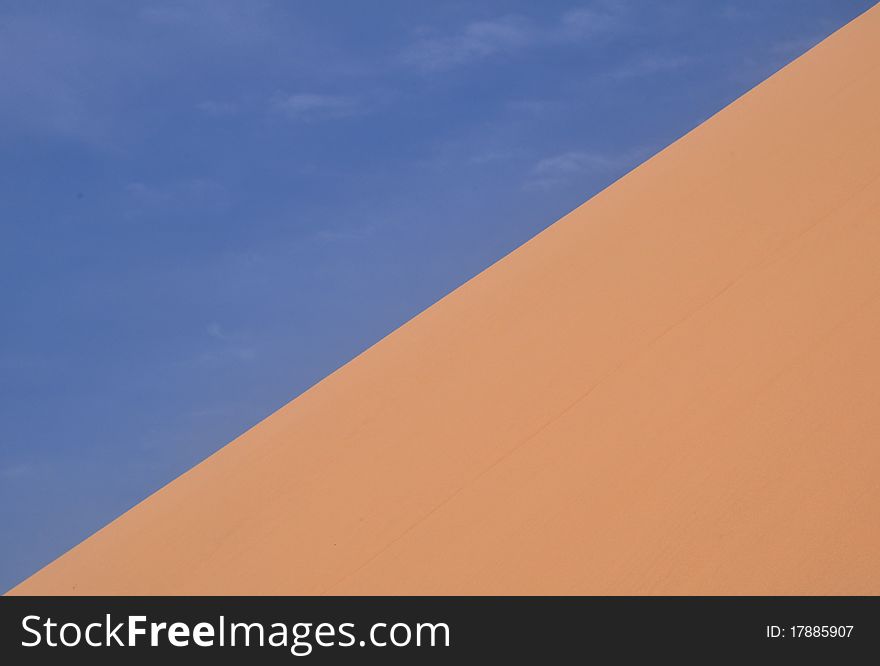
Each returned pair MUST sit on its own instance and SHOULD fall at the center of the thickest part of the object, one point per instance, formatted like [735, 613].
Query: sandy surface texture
[673, 390]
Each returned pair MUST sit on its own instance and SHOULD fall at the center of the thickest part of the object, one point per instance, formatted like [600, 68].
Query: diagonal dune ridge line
[672, 390]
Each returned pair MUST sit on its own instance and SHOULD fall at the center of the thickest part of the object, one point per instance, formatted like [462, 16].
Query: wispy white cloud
[44, 67]
[215, 331]
[193, 190]
[752, 69]
[65, 74]
[218, 108]
[508, 34]
[314, 106]
[298, 106]
[224, 352]
[489, 156]
[185, 200]
[797, 46]
[588, 22]
[557, 170]
[477, 40]
[649, 65]
[346, 234]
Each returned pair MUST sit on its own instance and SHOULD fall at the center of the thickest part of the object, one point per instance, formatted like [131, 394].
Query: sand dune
[675, 389]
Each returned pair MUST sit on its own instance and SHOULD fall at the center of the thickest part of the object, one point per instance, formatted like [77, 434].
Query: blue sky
[209, 205]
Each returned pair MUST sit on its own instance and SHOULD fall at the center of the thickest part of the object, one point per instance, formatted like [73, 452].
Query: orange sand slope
[673, 390]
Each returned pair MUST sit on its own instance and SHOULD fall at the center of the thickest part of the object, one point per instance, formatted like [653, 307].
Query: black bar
[542, 629]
